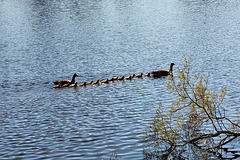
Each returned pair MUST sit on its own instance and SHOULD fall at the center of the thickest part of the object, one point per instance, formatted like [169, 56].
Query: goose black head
[76, 75]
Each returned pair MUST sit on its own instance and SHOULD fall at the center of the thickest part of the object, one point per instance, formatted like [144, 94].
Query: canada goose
[96, 82]
[105, 81]
[57, 86]
[133, 75]
[88, 83]
[163, 72]
[128, 77]
[82, 84]
[73, 85]
[147, 75]
[66, 85]
[115, 78]
[110, 79]
[139, 75]
[121, 78]
[66, 81]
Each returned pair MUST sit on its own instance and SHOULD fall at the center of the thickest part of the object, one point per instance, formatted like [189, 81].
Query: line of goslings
[108, 80]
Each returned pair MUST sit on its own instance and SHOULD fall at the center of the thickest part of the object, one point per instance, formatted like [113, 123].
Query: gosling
[115, 78]
[128, 77]
[88, 83]
[96, 82]
[105, 81]
[121, 78]
[82, 84]
[139, 75]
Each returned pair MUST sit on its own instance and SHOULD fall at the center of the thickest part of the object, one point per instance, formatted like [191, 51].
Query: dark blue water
[42, 41]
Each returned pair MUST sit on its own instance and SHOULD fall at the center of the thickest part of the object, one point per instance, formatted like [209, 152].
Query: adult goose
[163, 72]
[66, 81]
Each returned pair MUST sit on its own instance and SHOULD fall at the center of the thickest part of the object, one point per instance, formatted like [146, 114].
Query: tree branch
[213, 135]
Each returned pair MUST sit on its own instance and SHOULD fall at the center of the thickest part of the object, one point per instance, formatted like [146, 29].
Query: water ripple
[42, 41]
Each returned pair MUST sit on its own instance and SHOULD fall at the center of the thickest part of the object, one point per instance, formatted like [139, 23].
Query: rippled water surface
[42, 41]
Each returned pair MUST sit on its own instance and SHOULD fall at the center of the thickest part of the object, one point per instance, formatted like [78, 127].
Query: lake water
[42, 41]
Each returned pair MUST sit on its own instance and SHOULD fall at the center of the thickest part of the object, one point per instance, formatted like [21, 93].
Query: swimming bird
[66, 81]
[66, 85]
[73, 85]
[133, 75]
[163, 72]
[105, 81]
[139, 75]
[147, 75]
[96, 82]
[115, 78]
[121, 78]
[82, 84]
[111, 79]
[88, 83]
[128, 77]
[57, 86]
